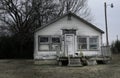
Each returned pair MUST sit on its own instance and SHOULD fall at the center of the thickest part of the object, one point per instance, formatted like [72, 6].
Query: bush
[11, 48]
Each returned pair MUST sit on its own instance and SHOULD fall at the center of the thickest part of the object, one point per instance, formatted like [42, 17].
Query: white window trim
[79, 43]
[49, 43]
[55, 43]
[94, 43]
[43, 43]
[88, 43]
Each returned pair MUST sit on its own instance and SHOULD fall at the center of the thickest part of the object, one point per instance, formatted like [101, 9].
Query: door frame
[66, 47]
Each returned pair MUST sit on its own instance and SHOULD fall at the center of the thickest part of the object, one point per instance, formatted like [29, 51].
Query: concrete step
[74, 62]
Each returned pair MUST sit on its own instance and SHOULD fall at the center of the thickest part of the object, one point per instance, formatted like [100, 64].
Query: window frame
[78, 43]
[49, 43]
[55, 37]
[88, 43]
[97, 43]
[43, 43]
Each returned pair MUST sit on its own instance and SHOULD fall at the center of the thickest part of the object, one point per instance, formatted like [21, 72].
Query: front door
[69, 44]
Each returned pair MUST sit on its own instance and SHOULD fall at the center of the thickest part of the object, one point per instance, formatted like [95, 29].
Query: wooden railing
[105, 50]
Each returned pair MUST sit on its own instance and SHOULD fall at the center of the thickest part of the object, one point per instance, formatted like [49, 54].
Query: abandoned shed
[68, 38]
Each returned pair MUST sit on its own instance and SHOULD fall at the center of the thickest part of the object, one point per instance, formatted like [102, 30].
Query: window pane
[93, 43]
[82, 40]
[82, 43]
[93, 40]
[69, 31]
[43, 39]
[93, 46]
[55, 40]
[44, 47]
[82, 46]
[54, 47]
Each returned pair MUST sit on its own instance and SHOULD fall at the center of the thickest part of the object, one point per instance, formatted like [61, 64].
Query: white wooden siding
[56, 29]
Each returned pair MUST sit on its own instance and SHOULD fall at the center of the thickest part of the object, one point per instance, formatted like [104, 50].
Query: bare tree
[78, 7]
[50, 9]
[16, 15]
[23, 16]
[45, 9]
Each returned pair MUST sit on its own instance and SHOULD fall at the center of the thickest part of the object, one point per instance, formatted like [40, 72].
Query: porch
[81, 60]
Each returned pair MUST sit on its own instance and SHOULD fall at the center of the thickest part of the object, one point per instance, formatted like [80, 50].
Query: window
[82, 43]
[44, 47]
[93, 43]
[44, 40]
[87, 43]
[43, 43]
[69, 31]
[49, 43]
[56, 42]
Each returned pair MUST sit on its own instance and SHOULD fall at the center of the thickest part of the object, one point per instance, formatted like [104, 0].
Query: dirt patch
[27, 69]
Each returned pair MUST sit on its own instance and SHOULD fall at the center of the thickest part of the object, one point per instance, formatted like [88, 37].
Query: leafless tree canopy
[20, 18]
[16, 14]
[78, 7]
[24, 16]
[45, 10]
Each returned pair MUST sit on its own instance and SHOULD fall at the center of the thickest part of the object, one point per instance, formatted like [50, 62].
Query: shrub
[10, 48]
[115, 47]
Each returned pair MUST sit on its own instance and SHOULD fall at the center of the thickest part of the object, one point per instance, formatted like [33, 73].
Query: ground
[27, 69]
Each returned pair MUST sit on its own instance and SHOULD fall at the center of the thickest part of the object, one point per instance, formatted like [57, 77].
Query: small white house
[68, 35]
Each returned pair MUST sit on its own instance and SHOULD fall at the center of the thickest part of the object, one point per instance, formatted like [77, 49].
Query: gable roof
[72, 14]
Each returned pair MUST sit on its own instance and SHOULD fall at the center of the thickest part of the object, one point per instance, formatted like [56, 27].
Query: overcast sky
[113, 16]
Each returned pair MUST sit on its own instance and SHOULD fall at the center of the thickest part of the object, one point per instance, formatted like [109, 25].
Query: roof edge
[70, 13]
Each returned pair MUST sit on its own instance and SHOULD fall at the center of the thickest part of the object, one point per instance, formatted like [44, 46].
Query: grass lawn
[27, 69]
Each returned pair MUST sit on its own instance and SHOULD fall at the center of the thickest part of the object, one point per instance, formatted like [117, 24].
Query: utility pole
[106, 25]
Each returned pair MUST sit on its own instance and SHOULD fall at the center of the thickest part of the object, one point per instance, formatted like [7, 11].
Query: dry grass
[26, 69]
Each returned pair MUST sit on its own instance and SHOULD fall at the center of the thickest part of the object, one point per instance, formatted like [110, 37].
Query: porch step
[74, 61]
